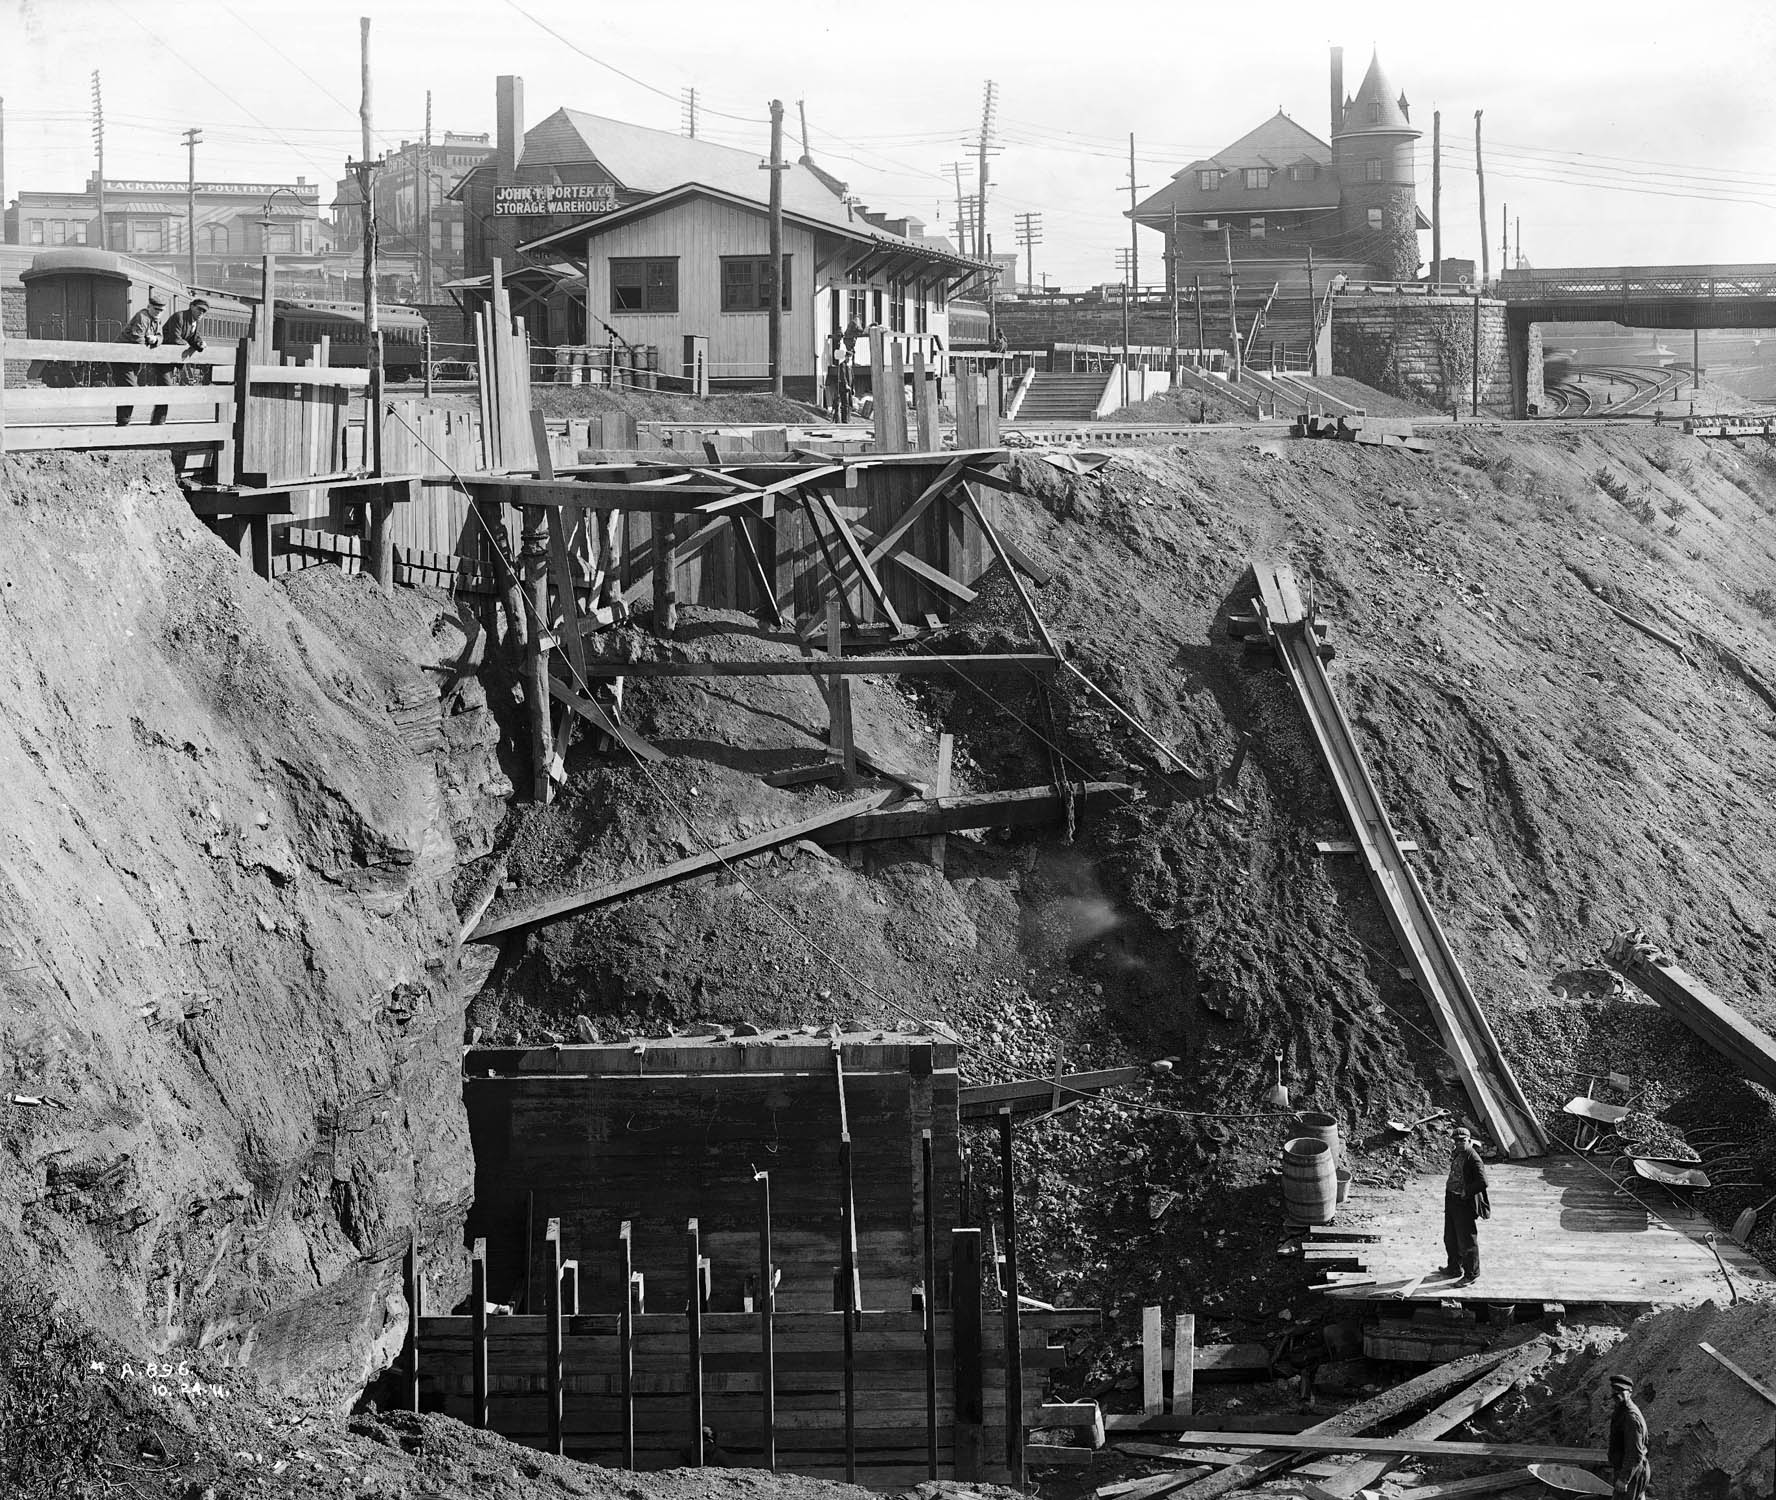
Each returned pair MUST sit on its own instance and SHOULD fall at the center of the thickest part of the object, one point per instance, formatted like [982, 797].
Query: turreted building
[1280, 194]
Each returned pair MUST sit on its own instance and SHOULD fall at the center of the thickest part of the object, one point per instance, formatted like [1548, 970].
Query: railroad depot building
[1279, 193]
[612, 231]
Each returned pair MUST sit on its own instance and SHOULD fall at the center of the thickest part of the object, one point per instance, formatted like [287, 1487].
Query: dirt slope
[1565, 771]
[225, 934]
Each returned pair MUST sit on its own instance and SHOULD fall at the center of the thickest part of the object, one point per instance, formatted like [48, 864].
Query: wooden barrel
[1310, 1182]
[1319, 1127]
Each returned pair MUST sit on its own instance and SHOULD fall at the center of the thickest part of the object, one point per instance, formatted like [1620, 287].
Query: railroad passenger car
[90, 295]
[299, 326]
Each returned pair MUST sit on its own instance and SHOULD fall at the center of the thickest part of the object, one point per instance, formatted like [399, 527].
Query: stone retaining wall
[1419, 347]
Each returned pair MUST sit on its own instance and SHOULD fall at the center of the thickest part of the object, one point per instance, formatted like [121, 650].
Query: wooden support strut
[694, 1329]
[415, 1311]
[847, 1268]
[965, 1334]
[626, 1339]
[929, 1300]
[767, 1306]
[554, 1374]
[478, 1329]
[1014, 1350]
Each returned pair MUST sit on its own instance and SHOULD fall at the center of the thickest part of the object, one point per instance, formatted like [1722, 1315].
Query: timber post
[626, 1340]
[553, 1375]
[694, 1333]
[478, 1329]
[930, 1301]
[767, 1306]
[410, 1375]
[534, 564]
[965, 1326]
[1014, 1353]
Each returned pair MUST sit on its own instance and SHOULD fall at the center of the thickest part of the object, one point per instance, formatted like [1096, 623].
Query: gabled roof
[1279, 143]
[1376, 108]
[643, 160]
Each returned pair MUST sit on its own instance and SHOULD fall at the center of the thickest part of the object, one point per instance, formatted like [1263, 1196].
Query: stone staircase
[1056, 397]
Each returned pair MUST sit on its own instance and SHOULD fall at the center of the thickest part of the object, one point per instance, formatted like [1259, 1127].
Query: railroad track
[1467, 1035]
[1570, 399]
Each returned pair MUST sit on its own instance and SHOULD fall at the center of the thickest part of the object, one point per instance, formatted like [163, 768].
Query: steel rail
[1491, 1086]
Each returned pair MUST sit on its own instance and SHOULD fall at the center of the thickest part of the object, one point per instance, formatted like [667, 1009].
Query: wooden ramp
[1558, 1233]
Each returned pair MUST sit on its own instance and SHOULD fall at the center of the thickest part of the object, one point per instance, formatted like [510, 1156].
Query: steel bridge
[1693, 297]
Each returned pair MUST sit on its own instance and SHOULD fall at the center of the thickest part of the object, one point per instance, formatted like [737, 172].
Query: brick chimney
[1337, 90]
[509, 107]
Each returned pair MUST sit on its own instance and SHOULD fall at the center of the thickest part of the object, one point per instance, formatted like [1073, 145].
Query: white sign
[539, 200]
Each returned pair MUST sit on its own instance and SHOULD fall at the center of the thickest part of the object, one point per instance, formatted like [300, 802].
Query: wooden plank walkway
[1558, 1233]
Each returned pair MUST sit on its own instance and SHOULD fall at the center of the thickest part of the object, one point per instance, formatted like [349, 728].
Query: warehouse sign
[542, 199]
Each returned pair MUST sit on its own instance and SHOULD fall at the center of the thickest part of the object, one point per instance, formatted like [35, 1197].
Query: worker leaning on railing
[143, 329]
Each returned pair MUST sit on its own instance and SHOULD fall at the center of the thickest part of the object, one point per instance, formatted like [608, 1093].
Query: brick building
[235, 223]
[413, 189]
[1279, 192]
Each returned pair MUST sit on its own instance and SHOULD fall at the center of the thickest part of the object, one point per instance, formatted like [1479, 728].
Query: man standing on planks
[1630, 1471]
[1465, 1202]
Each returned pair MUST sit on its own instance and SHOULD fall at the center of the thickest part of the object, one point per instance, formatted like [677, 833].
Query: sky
[1618, 134]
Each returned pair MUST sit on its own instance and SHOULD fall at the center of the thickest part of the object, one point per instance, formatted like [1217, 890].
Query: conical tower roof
[1376, 108]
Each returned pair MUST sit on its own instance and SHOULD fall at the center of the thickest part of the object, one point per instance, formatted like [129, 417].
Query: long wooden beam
[1025, 807]
[984, 1100]
[1749, 1048]
[534, 913]
[828, 666]
[1402, 1447]
[660, 499]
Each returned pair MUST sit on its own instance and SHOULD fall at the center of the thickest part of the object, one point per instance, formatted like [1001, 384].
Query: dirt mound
[225, 933]
[1708, 1435]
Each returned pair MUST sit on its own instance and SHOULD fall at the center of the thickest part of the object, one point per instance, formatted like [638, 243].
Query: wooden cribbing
[1184, 1365]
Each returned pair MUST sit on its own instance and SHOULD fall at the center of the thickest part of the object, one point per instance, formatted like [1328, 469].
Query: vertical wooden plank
[3, 388]
[848, 1288]
[967, 415]
[767, 1306]
[626, 1341]
[665, 575]
[694, 1330]
[1184, 1365]
[878, 342]
[895, 401]
[1152, 1362]
[414, 1311]
[478, 1327]
[838, 733]
[946, 754]
[1014, 1348]
[259, 537]
[925, 407]
[243, 392]
[552, 1327]
[928, 1235]
[966, 1342]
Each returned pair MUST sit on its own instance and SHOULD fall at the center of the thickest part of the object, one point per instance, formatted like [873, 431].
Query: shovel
[1406, 1127]
[1746, 1222]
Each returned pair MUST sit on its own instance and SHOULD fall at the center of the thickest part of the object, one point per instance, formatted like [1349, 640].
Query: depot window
[1375, 218]
[746, 280]
[1208, 181]
[1257, 177]
[644, 285]
[1255, 227]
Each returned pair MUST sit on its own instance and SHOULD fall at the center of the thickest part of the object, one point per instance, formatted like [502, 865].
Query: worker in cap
[1629, 1470]
[144, 329]
[1465, 1202]
[182, 328]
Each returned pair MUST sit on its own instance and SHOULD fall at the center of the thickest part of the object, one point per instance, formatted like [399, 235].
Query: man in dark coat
[1465, 1202]
[142, 329]
[1629, 1469]
[182, 328]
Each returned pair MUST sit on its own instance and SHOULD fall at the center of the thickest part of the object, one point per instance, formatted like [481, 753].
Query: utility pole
[774, 289]
[1134, 228]
[425, 189]
[1504, 238]
[687, 112]
[989, 105]
[192, 137]
[1437, 198]
[372, 335]
[3, 237]
[98, 130]
[1172, 282]
[1313, 319]
[1029, 232]
[1196, 292]
[1518, 262]
[1477, 346]
[1233, 327]
[1480, 172]
[802, 111]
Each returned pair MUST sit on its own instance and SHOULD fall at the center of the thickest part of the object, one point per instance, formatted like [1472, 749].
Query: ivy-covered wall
[1421, 347]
